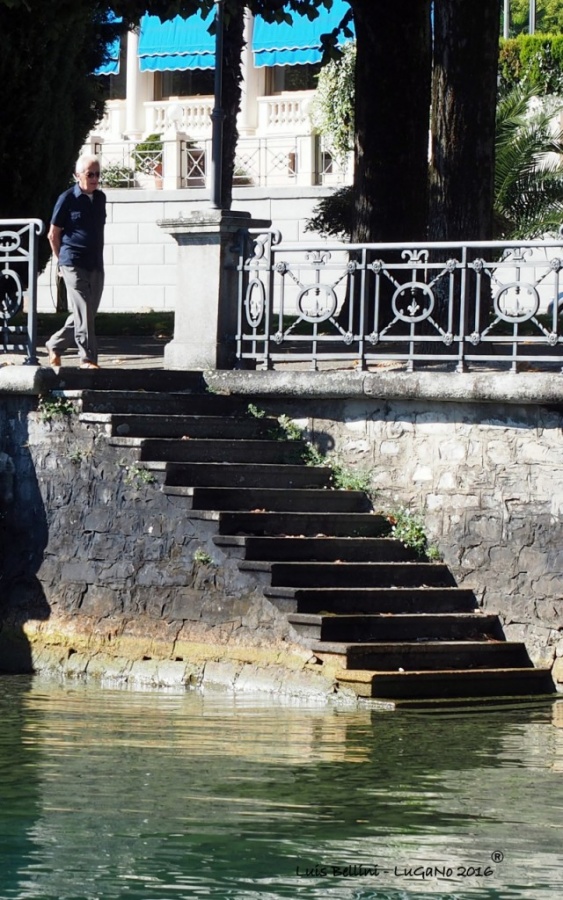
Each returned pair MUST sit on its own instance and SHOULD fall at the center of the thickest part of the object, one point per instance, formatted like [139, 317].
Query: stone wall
[487, 479]
[102, 573]
[88, 549]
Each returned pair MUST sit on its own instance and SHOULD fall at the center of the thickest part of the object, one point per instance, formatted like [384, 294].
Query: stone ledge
[21, 379]
[483, 387]
[544, 388]
[82, 653]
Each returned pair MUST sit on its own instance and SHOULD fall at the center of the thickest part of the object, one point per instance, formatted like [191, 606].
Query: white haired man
[76, 237]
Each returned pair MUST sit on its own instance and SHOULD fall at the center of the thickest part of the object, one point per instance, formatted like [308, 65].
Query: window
[188, 83]
[292, 78]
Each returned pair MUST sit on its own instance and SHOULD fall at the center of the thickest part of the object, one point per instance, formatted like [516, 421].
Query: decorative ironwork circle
[503, 301]
[9, 241]
[317, 302]
[255, 302]
[11, 294]
[413, 293]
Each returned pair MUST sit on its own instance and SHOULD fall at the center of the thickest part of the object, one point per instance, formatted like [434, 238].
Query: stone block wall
[100, 570]
[140, 259]
[487, 479]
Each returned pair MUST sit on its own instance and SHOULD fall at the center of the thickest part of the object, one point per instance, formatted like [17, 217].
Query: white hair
[84, 161]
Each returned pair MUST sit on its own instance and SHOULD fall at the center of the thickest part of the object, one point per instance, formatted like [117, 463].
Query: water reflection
[151, 796]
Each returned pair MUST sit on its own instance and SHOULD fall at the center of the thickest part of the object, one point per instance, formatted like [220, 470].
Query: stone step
[221, 450]
[453, 684]
[181, 403]
[303, 523]
[414, 656]
[398, 627]
[131, 425]
[319, 574]
[272, 499]
[162, 380]
[256, 475]
[313, 549]
[372, 600]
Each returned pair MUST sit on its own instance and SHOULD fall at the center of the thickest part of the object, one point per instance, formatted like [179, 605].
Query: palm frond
[528, 167]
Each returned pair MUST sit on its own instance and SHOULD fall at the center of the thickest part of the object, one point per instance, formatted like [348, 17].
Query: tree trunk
[233, 43]
[466, 35]
[393, 81]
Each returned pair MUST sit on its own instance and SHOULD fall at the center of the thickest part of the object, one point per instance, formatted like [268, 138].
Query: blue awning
[176, 44]
[111, 66]
[291, 45]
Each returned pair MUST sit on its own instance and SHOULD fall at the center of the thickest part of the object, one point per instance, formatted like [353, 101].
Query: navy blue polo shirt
[82, 220]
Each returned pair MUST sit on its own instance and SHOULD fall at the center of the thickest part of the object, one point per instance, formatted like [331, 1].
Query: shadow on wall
[23, 538]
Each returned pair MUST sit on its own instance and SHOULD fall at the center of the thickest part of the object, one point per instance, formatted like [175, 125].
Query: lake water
[164, 796]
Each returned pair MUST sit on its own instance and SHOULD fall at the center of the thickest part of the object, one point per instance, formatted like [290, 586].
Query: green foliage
[528, 183]
[116, 175]
[346, 479]
[312, 456]
[549, 16]
[255, 412]
[409, 529]
[332, 112]
[288, 430]
[202, 557]
[50, 407]
[532, 60]
[136, 475]
[342, 477]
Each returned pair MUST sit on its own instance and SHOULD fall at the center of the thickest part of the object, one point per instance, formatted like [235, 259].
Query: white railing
[192, 116]
[285, 112]
[284, 152]
[486, 304]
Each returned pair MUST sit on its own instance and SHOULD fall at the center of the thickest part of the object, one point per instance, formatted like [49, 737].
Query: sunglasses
[92, 174]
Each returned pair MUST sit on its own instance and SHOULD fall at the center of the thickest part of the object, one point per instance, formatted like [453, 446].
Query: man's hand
[54, 237]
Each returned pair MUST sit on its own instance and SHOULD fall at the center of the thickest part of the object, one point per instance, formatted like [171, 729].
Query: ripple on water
[157, 795]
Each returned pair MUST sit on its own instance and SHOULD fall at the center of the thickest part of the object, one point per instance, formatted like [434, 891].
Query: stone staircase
[391, 625]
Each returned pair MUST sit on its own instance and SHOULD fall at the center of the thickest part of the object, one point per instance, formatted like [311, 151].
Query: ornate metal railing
[18, 286]
[459, 304]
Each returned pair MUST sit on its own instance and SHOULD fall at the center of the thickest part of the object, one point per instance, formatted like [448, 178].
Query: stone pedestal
[205, 320]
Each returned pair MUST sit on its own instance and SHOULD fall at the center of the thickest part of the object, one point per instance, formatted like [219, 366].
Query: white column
[133, 126]
[172, 158]
[506, 19]
[252, 83]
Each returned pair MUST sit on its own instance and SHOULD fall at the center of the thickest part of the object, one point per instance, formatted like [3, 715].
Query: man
[76, 237]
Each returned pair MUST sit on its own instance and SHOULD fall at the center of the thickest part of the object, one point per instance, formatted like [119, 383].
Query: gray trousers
[84, 291]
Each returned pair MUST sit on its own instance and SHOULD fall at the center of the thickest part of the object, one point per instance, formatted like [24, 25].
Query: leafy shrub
[116, 175]
[532, 59]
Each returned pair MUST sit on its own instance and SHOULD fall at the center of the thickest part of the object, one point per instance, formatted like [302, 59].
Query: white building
[161, 82]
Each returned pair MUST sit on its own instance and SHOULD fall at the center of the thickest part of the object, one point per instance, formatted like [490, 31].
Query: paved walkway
[114, 353]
